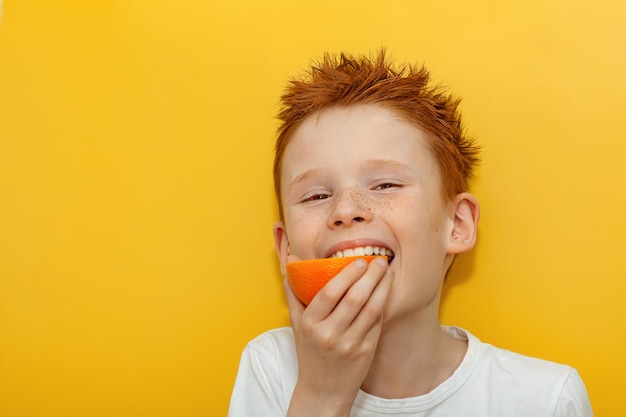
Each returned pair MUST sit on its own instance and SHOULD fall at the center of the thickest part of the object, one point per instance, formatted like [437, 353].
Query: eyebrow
[302, 177]
[386, 163]
[369, 164]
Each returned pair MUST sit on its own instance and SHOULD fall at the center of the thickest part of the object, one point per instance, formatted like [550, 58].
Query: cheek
[303, 229]
[403, 211]
[421, 222]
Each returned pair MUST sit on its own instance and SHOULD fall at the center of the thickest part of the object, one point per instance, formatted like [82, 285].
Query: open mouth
[365, 250]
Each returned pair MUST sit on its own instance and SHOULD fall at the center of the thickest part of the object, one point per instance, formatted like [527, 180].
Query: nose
[350, 206]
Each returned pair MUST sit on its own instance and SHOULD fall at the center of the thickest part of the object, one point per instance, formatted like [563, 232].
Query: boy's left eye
[385, 186]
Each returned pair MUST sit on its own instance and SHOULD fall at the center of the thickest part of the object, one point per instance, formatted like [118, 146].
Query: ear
[465, 213]
[281, 242]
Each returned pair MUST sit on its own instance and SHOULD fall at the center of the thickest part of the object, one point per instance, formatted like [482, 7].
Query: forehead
[339, 137]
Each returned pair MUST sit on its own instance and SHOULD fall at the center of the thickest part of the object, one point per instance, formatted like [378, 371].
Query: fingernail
[361, 263]
[381, 261]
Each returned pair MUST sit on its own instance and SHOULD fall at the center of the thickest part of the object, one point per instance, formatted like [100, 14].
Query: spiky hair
[347, 80]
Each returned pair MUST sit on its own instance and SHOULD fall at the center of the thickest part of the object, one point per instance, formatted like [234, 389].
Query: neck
[412, 363]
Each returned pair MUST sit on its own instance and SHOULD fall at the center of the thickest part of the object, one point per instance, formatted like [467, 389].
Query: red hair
[346, 80]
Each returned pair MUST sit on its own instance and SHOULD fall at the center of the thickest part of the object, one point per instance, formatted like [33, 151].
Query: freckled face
[361, 174]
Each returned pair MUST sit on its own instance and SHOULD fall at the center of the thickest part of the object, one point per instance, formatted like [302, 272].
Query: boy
[369, 156]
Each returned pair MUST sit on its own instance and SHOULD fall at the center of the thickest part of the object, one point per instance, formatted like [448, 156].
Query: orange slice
[308, 277]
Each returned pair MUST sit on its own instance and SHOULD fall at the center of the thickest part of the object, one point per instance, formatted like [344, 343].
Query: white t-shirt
[488, 382]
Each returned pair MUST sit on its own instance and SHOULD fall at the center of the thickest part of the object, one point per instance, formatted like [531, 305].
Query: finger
[331, 294]
[368, 341]
[358, 294]
[371, 315]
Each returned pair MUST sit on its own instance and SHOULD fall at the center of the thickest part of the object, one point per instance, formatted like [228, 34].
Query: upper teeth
[363, 250]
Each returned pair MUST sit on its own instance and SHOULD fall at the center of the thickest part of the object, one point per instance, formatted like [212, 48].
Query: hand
[336, 337]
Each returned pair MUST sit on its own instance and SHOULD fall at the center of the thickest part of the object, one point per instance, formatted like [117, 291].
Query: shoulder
[271, 342]
[273, 352]
[517, 367]
[513, 376]
[267, 375]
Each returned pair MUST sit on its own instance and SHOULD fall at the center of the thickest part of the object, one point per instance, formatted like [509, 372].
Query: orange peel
[308, 277]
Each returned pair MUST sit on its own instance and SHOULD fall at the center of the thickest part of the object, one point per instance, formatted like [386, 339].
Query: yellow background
[136, 205]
